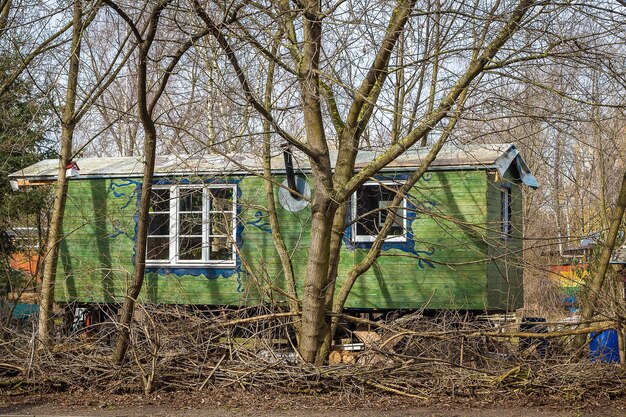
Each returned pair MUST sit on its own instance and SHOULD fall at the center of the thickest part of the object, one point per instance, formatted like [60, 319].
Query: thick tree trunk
[58, 210]
[315, 283]
[336, 243]
[323, 205]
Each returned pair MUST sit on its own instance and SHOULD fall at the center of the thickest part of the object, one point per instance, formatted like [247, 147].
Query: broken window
[191, 225]
[370, 205]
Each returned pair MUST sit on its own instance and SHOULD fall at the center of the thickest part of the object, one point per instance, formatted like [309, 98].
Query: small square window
[370, 208]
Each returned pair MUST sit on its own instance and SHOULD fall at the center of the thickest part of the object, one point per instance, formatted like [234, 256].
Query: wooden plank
[98, 255]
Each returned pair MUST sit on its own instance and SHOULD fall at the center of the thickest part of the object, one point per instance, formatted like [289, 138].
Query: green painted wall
[92, 265]
[505, 269]
[446, 266]
[450, 234]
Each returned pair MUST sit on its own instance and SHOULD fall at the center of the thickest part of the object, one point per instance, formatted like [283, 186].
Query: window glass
[190, 224]
[372, 204]
[221, 224]
[160, 200]
[221, 199]
[221, 248]
[197, 228]
[190, 248]
[190, 199]
[158, 248]
[159, 225]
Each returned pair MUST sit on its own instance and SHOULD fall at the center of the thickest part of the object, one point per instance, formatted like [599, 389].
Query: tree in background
[24, 130]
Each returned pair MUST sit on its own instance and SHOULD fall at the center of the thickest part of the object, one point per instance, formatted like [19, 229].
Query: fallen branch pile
[414, 356]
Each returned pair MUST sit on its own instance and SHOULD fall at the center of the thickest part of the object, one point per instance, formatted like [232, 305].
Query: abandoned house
[456, 243]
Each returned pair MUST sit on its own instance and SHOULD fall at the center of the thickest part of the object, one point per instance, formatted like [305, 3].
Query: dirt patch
[242, 403]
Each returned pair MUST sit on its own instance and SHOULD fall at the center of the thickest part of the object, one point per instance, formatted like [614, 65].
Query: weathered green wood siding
[505, 271]
[96, 254]
[450, 237]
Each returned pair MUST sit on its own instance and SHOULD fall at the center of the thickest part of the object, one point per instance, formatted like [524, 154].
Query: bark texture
[150, 137]
[56, 222]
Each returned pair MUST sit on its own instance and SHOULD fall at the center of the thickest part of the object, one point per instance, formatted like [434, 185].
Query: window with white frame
[506, 212]
[370, 205]
[192, 225]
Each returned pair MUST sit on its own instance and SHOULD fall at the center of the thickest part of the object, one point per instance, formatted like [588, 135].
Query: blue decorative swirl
[124, 194]
[260, 222]
[408, 245]
[117, 230]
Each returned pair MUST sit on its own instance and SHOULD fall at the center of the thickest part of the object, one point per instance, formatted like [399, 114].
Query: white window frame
[401, 212]
[174, 256]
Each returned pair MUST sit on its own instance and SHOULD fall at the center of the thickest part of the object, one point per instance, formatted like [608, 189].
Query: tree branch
[241, 77]
[475, 68]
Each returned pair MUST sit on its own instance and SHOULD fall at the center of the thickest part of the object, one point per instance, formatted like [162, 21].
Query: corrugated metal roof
[499, 156]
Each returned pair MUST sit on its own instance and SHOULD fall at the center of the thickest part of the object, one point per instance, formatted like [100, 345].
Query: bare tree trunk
[313, 297]
[598, 278]
[140, 243]
[145, 110]
[599, 153]
[323, 205]
[399, 94]
[435, 72]
[558, 209]
[5, 8]
[149, 149]
[56, 222]
[281, 248]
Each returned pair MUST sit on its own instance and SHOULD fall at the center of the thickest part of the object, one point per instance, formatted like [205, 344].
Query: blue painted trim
[260, 222]
[408, 245]
[205, 271]
[200, 271]
[115, 189]
[125, 183]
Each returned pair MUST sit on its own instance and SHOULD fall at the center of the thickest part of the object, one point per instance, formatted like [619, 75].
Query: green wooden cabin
[456, 244]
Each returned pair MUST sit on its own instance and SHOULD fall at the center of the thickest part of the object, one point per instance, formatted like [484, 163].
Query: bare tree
[56, 222]
[147, 100]
[75, 107]
[333, 188]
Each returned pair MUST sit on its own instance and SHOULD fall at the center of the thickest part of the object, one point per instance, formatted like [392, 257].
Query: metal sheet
[500, 156]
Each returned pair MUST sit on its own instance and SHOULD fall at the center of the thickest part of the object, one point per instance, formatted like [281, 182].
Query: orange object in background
[569, 275]
[25, 261]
